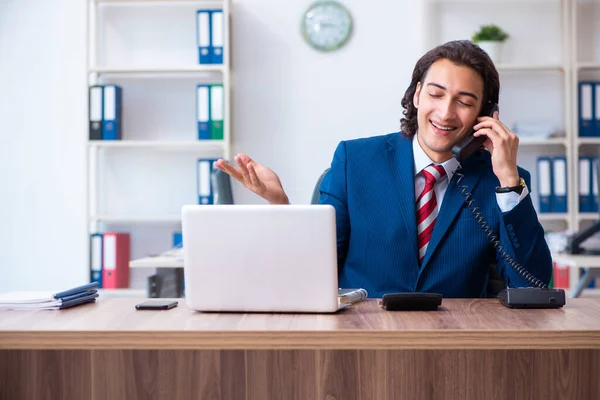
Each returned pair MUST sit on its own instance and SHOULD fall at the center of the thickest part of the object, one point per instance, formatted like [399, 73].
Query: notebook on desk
[258, 258]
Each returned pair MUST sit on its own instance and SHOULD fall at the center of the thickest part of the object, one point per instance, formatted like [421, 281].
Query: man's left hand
[503, 145]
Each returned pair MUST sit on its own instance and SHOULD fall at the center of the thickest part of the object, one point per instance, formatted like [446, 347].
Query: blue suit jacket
[371, 186]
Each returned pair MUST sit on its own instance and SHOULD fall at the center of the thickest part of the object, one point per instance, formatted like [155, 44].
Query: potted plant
[490, 39]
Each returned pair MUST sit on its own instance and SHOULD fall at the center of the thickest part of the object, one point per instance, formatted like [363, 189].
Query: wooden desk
[470, 349]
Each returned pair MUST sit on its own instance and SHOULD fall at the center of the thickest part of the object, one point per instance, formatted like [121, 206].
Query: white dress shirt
[506, 201]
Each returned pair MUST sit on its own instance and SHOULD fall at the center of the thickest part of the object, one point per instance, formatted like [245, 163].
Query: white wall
[42, 143]
[291, 107]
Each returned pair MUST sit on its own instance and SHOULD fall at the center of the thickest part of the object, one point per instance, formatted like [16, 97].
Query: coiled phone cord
[518, 268]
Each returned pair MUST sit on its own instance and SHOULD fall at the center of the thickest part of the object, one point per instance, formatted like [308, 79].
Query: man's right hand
[256, 177]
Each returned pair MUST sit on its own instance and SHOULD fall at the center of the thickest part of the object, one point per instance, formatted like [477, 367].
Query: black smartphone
[470, 144]
[157, 305]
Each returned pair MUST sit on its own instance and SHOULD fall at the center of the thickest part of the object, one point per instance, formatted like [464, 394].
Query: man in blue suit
[403, 224]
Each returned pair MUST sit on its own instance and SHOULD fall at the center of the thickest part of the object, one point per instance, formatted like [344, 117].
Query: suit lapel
[452, 203]
[401, 162]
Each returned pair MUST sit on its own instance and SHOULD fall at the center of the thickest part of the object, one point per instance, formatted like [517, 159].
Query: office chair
[495, 281]
[221, 185]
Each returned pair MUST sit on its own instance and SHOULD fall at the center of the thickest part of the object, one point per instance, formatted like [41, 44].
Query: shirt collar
[422, 160]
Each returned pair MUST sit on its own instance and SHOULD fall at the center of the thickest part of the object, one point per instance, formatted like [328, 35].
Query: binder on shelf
[116, 255]
[559, 186]
[544, 167]
[596, 116]
[216, 112]
[177, 239]
[96, 258]
[96, 106]
[216, 28]
[585, 184]
[111, 125]
[203, 111]
[586, 109]
[560, 276]
[203, 37]
[594, 176]
[205, 192]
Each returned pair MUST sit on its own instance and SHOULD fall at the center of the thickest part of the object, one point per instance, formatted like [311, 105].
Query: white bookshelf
[136, 219]
[138, 184]
[557, 217]
[525, 141]
[180, 145]
[529, 67]
[538, 63]
[562, 49]
[183, 70]
[585, 56]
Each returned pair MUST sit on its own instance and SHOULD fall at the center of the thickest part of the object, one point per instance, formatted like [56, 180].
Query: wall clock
[326, 25]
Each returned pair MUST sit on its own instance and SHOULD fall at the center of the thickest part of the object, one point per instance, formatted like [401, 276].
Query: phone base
[532, 298]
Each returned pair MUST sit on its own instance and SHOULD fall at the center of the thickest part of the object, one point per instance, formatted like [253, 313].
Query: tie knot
[433, 172]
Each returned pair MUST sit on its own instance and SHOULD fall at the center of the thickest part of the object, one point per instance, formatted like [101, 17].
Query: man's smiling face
[448, 101]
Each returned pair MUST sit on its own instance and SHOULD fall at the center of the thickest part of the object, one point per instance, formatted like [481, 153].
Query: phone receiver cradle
[411, 301]
[532, 297]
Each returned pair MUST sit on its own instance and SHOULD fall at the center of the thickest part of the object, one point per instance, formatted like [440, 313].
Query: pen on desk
[353, 295]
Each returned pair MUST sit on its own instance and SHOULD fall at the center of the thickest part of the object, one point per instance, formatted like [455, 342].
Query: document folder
[216, 27]
[545, 184]
[96, 105]
[205, 191]
[559, 171]
[216, 112]
[203, 111]
[586, 109]
[111, 129]
[49, 300]
[203, 30]
[96, 258]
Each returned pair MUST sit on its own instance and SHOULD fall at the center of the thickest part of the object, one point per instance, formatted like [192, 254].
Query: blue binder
[205, 190]
[111, 125]
[203, 36]
[96, 251]
[594, 177]
[216, 36]
[596, 116]
[544, 170]
[177, 239]
[586, 108]
[203, 111]
[586, 200]
[559, 185]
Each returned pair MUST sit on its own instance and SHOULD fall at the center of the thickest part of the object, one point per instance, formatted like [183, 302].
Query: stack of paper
[49, 300]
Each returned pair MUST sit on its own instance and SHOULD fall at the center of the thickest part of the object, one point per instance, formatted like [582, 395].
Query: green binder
[216, 112]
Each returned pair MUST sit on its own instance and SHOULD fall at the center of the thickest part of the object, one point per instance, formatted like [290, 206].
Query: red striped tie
[427, 208]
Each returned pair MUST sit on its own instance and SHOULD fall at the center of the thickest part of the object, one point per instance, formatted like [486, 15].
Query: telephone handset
[470, 144]
[537, 296]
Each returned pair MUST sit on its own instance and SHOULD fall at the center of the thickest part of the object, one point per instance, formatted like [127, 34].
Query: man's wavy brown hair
[460, 52]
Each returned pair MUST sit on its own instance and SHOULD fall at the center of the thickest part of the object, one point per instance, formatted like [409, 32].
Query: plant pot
[493, 49]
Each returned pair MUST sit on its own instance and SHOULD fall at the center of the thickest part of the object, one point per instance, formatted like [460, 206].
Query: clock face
[326, 25]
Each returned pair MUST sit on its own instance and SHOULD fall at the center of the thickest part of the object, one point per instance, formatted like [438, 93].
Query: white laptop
[261, 258]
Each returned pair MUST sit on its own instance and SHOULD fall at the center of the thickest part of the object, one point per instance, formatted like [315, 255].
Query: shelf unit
[573, 27]
[584, 24]
[149, 48]
[529, 62]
